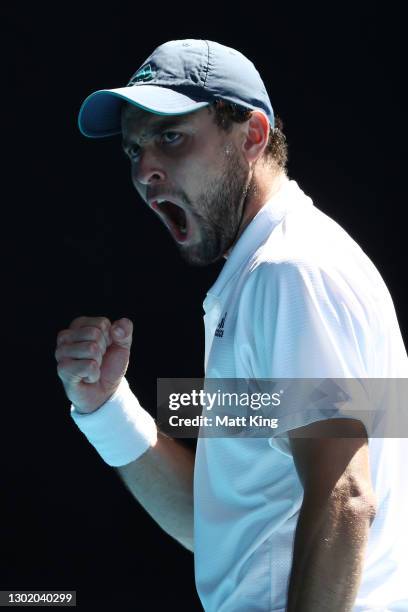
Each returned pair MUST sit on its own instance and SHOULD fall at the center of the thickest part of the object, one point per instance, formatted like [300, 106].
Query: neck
[265, 188]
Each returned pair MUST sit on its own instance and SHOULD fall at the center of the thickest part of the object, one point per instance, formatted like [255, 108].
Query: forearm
[328, 556]
[162, 482]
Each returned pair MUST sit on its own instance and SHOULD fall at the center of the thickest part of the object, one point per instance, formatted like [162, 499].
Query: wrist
[120, 430]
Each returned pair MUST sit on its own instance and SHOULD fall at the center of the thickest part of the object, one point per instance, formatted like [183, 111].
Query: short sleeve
[309, 330]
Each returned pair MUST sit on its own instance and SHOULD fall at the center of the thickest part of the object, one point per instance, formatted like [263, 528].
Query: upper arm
[333, 455]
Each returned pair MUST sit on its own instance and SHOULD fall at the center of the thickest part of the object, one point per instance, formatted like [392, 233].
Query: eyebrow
[157, 127]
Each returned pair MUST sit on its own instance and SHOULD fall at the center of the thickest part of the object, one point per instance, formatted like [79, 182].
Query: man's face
[192, 174]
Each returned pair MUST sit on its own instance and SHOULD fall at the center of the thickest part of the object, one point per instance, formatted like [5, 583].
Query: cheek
[133, 176]
[199, 173]
[141, 189]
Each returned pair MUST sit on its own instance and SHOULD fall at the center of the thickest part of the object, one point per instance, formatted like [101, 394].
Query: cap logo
[145, 73]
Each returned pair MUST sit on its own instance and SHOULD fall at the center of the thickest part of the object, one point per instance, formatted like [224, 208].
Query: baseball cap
[179, 77]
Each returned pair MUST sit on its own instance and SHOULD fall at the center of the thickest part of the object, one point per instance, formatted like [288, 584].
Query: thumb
[116, 358]
[121, 332]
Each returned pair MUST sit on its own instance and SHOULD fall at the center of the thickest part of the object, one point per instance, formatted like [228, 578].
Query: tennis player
[311, 517]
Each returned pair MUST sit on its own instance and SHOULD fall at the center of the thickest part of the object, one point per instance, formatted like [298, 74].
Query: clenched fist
[92, 359]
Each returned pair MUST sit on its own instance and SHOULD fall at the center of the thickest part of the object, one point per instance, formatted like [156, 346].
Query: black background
[76, 240]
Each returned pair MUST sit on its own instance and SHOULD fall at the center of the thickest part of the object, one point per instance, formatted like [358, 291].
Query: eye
[133, 151]
[171, 137]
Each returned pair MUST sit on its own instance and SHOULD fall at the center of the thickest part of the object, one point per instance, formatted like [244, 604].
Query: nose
[147, 170]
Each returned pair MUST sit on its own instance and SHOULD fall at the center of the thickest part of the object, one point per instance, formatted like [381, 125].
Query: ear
[256, 136]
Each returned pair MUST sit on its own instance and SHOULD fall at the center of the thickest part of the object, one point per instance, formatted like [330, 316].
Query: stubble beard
[218, 212]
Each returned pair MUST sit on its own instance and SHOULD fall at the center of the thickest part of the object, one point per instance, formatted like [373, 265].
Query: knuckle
[105, 323]
[103, 336]
[78, 321]
[92, 366]
[96, 333]
[62, 336]
[61, 369]
[93, 348]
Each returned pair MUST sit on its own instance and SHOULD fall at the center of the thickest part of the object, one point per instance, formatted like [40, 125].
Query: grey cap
[179, 77]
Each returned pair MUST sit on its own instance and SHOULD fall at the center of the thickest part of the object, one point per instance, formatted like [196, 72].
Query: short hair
[228, 113]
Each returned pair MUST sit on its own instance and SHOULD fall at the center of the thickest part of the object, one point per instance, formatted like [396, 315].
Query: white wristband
[120, 430]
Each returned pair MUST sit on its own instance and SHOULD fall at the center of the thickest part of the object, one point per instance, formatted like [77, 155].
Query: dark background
[76, 240]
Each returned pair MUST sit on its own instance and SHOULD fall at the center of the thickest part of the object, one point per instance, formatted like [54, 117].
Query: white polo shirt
[297, 298]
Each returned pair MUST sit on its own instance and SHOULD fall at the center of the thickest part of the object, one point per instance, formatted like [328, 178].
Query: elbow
[370, 508]
[363, 505]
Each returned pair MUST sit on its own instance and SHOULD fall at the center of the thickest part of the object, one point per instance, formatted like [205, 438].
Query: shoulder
[309, 235]
[308, 256]
[309, 295]
[317, 292]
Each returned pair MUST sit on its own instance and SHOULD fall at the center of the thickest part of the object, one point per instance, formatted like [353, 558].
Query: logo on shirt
[219, 332]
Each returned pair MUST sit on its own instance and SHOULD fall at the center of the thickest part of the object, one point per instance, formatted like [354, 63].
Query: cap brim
[99, 115]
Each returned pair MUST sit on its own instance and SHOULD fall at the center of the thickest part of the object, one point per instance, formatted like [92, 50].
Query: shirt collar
[286, 198]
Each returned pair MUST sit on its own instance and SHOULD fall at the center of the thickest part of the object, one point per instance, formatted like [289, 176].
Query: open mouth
[174, 217]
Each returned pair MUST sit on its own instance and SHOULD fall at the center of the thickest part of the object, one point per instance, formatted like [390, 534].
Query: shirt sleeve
[308, 330]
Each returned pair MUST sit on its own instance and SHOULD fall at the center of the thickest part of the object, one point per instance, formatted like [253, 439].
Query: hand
[92, 359]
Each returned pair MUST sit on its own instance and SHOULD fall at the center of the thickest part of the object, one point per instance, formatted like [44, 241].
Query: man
[307, 520]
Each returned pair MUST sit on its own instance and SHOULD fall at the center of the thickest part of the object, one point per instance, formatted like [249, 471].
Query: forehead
[137, 122]
[133, 114]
